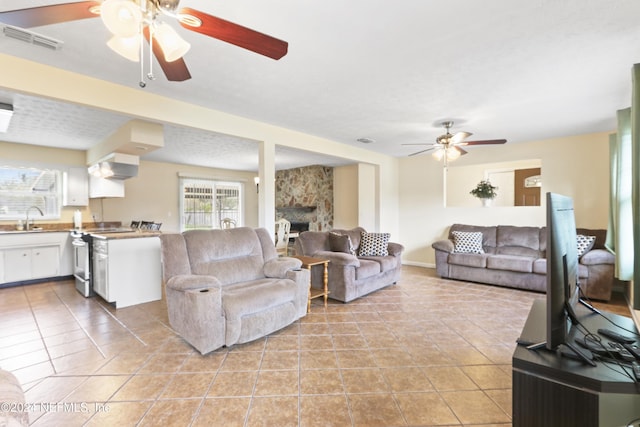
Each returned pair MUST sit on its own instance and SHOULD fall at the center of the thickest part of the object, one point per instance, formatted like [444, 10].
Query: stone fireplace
[304, 196]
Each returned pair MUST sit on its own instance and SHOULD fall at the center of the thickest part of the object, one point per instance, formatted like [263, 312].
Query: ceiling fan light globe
[128, 47]
[438, 154]
[173, 46]
[452, 153]
[121, 17]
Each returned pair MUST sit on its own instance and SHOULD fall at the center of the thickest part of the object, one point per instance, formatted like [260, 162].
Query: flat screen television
[563, 293]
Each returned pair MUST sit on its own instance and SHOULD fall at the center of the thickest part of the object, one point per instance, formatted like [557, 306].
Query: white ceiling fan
[448, 146]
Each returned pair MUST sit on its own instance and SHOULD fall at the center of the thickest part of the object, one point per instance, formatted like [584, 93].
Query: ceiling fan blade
[46, 15]
[233, 33]
[462, 152]
[175, 71]
[459, 137]
[485, 142]
[421, 151]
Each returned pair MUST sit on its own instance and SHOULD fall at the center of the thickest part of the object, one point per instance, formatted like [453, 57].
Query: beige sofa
[13, 412]
[350, 274]
[226, 287]
[515, 257]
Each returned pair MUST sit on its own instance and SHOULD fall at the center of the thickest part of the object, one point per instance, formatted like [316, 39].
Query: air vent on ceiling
[31, 37]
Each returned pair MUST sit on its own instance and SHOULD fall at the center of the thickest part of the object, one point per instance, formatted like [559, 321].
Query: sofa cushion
[230, 256]
[585, 243]
[374, 244]
[340, 243]
[255, 296]
[540, 266]
[510, 263]
[387, 263]
[519, 241]
[367, 268]
[467, 242]
[488, 234]
[469, 260]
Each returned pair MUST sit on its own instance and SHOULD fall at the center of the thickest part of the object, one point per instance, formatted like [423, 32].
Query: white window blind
[24, 188]
[206, 202]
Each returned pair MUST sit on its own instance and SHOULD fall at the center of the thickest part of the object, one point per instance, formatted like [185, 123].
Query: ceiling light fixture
[365, 140]
[130, 21]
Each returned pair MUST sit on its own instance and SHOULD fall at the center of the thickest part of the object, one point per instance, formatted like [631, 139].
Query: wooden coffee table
[308, 262]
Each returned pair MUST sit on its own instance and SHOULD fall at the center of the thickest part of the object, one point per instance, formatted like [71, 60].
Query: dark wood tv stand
[550, 390]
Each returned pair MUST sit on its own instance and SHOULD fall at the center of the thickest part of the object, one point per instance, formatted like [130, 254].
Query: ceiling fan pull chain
[150, 76]
[142, 83]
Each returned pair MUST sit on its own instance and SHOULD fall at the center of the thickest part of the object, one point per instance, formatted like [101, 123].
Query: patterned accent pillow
[374, 244]
[469, 242]
[341, 243]
[585, 244]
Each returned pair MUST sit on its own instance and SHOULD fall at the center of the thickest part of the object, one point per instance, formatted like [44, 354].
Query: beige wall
[575, 166]
[345, 204]
[154, 195]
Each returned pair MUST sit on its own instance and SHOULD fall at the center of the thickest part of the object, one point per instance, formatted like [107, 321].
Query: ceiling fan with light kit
[448, 146]
[131, 21]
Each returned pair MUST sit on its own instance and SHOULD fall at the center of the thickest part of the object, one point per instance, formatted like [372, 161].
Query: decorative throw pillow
[585, 244]
[469, 242]
[340, 243]
[374, 244]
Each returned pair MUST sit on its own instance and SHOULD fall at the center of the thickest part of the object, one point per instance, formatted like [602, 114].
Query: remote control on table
[636, 370]
[623, 352]
[597, 348]
[616, 336]
[633, 349]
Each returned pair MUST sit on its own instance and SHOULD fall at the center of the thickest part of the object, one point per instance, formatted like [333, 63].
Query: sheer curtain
[635, 180]
[624, 213]
[620, 233]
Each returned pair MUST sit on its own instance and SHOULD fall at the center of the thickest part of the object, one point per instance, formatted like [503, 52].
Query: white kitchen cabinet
[35, 255]
[75, 187]
[102, 187]
[127, 271]
[31, 263]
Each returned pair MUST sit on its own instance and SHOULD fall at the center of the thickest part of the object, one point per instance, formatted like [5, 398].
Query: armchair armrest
[395, 249]
[186, 282]
[278, 267]
[443, 245]
[597, 256]
[338, 258]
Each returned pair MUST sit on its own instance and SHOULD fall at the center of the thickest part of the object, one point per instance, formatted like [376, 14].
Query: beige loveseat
[351, 275]
[515, 257]
[226, 287]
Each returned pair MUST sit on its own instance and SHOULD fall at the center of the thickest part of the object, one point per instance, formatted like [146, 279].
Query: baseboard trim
[419, 264]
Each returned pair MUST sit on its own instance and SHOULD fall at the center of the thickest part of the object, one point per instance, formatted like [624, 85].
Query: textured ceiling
[389, 71]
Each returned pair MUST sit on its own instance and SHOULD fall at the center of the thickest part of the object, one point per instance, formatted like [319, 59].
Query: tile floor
[425, 352]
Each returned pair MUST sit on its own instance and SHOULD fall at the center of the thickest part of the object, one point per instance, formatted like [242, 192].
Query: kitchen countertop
[134, 234]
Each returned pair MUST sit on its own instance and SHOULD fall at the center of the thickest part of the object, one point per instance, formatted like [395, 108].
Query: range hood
[115, 166]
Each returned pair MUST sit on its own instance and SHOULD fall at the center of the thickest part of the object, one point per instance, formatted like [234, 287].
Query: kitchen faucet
[31, 207]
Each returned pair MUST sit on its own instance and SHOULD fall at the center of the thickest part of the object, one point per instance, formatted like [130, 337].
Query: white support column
[267, 190]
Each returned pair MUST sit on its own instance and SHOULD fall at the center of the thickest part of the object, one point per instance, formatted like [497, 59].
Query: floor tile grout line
[122, 324]
[81, 325]
[35, 319]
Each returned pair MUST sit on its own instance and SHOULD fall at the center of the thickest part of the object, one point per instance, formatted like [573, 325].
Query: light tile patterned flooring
[424, 352]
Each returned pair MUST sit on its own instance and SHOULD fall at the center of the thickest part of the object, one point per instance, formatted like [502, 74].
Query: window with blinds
[25, 188]
[206, 203]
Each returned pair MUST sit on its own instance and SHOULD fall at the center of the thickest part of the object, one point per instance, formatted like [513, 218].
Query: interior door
[526, 194]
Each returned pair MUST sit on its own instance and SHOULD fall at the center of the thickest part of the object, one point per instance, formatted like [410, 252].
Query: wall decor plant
[484, 191]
